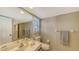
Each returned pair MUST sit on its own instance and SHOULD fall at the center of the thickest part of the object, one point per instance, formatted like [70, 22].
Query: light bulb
[22, 12]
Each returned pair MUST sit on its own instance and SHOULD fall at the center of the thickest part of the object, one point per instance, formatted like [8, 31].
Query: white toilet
[45, 46]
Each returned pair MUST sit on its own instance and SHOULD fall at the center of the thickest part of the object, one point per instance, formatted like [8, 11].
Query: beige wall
[15, 32]
[67, 22]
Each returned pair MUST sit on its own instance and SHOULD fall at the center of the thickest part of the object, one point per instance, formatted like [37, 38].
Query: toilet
[45, 46]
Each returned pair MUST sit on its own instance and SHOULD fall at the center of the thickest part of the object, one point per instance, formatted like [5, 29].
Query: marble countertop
[27, 45]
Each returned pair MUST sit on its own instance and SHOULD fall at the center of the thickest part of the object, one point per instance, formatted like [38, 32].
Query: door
[5, 30]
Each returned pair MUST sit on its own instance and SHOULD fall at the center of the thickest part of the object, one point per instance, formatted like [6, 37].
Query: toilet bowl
[45, 46]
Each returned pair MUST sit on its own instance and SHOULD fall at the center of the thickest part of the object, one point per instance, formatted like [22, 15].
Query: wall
[67, 22]
[14, 30]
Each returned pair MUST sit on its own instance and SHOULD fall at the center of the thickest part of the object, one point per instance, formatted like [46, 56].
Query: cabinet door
[5, 30]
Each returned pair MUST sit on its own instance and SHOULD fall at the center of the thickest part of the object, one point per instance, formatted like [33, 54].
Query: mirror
[16, 24]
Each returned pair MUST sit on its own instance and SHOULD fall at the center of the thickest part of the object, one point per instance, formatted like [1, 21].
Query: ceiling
[41, 12]
[45, 12]
[16, 13]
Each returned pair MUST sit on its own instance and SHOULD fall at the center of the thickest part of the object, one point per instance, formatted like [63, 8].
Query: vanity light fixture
[22, 12]
[31, 7]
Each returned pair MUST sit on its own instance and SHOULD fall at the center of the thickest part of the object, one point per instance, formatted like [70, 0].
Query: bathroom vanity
[21, 45]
